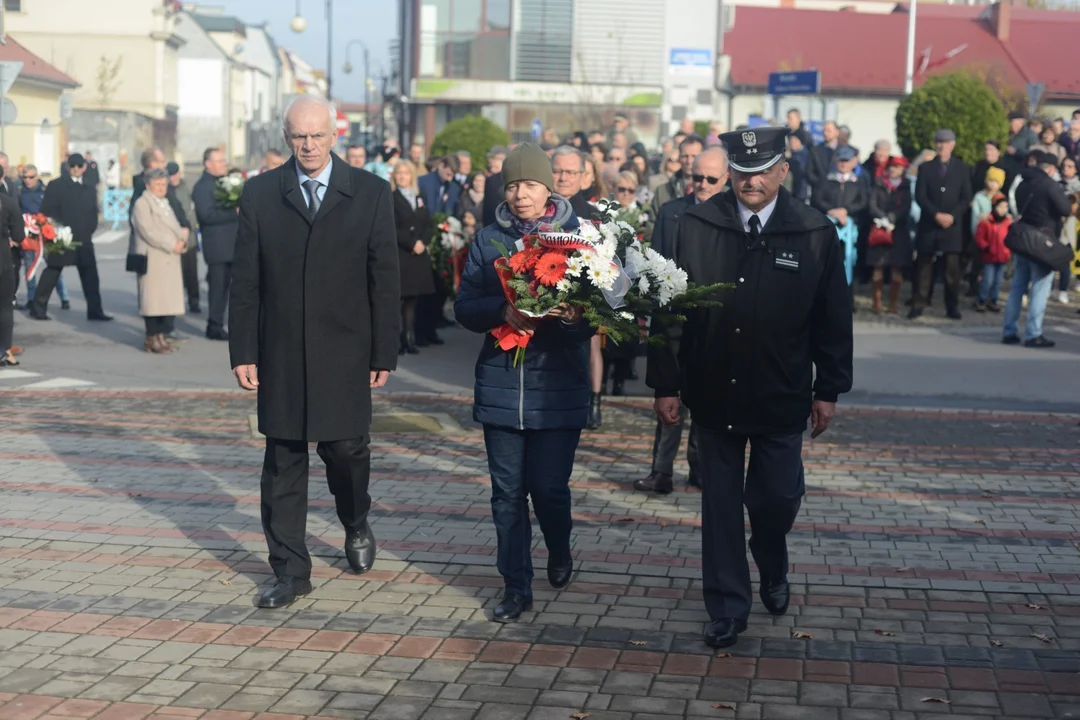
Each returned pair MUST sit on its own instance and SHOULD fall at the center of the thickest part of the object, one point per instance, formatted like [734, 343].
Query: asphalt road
[897, 363]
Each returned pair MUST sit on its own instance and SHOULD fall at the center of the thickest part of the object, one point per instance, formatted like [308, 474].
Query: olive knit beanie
[528, 162]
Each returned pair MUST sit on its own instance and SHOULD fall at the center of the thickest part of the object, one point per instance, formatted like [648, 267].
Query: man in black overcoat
[943, 192]
[314, 321]
[71, 202]
[777, 353]
[217, 227]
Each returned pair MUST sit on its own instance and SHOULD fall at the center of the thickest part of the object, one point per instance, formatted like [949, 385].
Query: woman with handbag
[157, 244]
[890, 241]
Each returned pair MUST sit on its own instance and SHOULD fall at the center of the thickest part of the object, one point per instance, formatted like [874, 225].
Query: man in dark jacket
[1021, 138]
[314, 319]
[943, 192]
[821, 156]
[440, 192]
[747, 370]
[11, 236]
[709, 176]
[567, 166]
[217, 227]
[1043, 205]
[679, 184]
[74, 204]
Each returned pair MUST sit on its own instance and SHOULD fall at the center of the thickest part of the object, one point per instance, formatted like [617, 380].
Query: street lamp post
[348, 69]
[909, 74]
[299, 24]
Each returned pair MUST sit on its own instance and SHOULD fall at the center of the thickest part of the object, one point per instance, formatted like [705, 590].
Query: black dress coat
[832, 194]
[217, 225]
[316, 305]
[413, 225]
[895, 206]
[942, 192]
[75, 205]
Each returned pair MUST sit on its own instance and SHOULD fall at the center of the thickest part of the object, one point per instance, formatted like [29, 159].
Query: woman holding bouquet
[533, 413]
[414, 230]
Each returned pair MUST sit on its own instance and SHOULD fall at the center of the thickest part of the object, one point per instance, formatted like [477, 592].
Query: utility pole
[329, 46]
[909, 74]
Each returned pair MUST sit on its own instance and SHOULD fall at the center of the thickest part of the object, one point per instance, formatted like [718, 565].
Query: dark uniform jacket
[748, 367]
[942, 192]
[217, 225]
[315, 304]
[75, 205]
[830, 194]
[667, 222]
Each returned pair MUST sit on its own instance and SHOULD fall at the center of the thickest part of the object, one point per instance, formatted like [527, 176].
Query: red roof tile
[33, 66]
[864, 53]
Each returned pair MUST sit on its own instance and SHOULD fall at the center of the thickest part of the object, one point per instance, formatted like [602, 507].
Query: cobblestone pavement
[936, 574]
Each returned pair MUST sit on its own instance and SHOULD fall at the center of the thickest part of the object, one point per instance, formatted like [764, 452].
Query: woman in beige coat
[159, 237]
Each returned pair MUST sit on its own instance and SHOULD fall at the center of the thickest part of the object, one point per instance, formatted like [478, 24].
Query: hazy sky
[372, 22]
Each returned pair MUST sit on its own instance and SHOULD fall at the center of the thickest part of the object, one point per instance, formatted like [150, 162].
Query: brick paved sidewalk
[936, 573]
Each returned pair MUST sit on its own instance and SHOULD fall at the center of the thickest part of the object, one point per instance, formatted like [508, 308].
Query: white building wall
[689, 61]
[620, 42]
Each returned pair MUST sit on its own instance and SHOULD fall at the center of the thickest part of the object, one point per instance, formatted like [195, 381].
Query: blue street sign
[691, 61]
[537, 128]
[816, 129]
[804, 82]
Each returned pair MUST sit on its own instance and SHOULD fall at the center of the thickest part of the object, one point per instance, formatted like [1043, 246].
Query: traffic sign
[342, 125]
[8, 112]
[9, 70]
[804, 82]
[537, 128]
[1034, 93]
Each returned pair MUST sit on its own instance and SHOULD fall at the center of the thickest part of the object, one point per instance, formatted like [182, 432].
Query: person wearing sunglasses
[31, 193]
[777, 353]
[709, 176]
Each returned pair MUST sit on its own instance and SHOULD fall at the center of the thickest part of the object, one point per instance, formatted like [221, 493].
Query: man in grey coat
[218, 226]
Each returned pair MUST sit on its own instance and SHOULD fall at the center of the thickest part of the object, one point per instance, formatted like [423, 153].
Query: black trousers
[285, 496]
[91, 287]
[772, 490]
[16, 262]
[924, 269]
[189, 267]
[218, 277]
[8, 273]
[158, 325]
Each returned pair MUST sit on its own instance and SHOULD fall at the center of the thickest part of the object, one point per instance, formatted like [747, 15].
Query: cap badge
[749, 139]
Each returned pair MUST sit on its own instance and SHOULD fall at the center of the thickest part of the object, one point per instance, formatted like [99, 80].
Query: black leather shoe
[35, 315]
[724, 633]
[559, 570]
[284, 592]
[693, 481]
[775, 595]
[914, 314]
[217, 334]
[360, 550]
[99, 317]
[65, 305]
[511, 607]
[195, 309]
[1010, 340]
[954, 315]
[596, 412]
[658, 483]
[434, 339]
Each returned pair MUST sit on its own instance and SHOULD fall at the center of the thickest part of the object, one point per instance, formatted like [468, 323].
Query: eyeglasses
[705, 178]
[571, 173]
[625, 190]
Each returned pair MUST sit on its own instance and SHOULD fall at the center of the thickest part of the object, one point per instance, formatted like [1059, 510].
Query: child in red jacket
[990, 237]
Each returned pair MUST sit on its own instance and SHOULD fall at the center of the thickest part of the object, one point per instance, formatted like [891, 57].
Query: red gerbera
[521, 262]
[48, 232]
[550, 268]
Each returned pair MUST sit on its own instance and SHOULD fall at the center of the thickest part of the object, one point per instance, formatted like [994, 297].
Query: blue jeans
[31, 284]
[1041, 279]
[990, 287]
[529, 464]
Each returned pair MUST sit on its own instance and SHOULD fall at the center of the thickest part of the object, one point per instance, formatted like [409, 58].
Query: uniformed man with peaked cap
[747, 370]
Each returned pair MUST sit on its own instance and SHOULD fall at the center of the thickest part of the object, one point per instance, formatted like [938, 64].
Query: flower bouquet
[228, 190]
[449, 248]
[602, 268]
[56, 239]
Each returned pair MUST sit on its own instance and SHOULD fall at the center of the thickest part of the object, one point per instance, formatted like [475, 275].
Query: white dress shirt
[323, 179]
[764, 214]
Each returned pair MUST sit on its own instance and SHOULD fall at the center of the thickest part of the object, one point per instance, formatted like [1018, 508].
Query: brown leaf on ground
[1033, 606]
[724, 706]
[226, 581]
[580, 715]
[723, 655]
[997, 643]
[1042, 638]
[943, 701]
[638, 642]
[801, 635]
[886, 633]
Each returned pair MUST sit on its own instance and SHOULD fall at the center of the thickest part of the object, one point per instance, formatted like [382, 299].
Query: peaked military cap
[755, 150]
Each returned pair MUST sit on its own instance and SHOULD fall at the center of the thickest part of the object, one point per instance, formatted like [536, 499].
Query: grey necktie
[312, 186]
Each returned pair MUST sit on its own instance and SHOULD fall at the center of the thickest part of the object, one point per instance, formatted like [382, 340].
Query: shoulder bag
[1038, 245]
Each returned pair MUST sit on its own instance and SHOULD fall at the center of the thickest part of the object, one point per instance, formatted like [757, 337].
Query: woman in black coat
[414, 232]
[890, 200]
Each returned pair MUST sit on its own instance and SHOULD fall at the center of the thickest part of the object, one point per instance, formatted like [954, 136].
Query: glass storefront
[465, 39]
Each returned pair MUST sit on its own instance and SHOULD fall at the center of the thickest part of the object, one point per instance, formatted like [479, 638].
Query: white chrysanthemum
[565, 286]
[643, 285]
[574, 266]
[626, 315]
[63, 234]
[588, 232]
[603, 277]
[626, 227]
[610, 232]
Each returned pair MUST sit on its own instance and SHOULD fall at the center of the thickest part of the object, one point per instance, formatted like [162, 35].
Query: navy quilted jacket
[550, 389]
